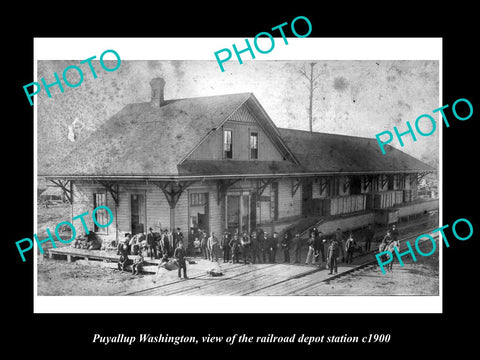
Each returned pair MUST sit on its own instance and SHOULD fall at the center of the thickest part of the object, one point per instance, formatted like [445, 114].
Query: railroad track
[372, 263]
[366, 261]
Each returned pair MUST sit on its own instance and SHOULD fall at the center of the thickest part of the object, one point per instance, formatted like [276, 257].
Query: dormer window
[227, 144]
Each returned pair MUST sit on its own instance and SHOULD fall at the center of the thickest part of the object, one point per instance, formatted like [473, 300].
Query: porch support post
[66, 188]
[222, 187]
[172, 191]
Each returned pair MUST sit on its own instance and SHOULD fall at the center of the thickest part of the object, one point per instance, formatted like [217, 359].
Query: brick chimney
[157, 85]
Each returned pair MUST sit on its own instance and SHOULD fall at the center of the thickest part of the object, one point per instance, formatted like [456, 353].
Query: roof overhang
[129, 177]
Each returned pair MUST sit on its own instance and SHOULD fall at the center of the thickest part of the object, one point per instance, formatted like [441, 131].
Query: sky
[352, 97]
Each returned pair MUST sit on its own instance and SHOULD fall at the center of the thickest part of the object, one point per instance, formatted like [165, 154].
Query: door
[199, 217]
[137, 207]
[238, 213]
[307, 198]
[355, 185]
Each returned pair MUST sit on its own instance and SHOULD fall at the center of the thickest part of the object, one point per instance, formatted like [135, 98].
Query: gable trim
[259, 123]
[211, 131]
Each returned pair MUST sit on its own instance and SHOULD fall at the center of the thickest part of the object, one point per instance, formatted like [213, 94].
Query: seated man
[137, 263]
[94, 242]
[80, 241]
[123, 260]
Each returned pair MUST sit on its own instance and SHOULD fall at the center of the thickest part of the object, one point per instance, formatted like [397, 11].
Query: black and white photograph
[263, 180]
[212, 181]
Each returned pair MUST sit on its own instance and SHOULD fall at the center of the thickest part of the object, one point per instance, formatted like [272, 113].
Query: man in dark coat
[165, 243]
[350, 248]
[332, 254]
[152, 244]
[123, 260]
[255, 247]
[272, 247]
[319, 247]
[180, 255]
[225, 246]
[285, 244]
[204, 244]
[296, 246]
[262, 245]
[369, 233]
[235, 248]
[246, 246]
[177, 236]
[394, 232]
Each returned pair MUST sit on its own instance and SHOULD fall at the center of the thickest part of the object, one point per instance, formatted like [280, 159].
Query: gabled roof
[331, 153]
[145, 140]
[238, 167]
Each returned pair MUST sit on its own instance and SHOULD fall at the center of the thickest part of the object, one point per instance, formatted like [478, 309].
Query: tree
[312, 85]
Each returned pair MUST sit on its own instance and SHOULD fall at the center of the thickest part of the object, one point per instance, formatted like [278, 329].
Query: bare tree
[312, 85]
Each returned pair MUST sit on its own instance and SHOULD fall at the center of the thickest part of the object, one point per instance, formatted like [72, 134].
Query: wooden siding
[347, 204]
[83, 202]
[241, 123]
[384, 199]
[288, 206]
[418, 207]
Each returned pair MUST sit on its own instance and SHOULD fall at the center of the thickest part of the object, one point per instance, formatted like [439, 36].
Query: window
[198, 211]
[100, 199]
[227, 144]
[253, 145]
[334, 186]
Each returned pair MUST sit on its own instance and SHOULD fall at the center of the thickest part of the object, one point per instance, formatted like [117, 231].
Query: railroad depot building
[220, 162]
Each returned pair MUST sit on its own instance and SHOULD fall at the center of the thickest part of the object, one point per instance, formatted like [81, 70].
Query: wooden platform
[238, 279]
[71, 252]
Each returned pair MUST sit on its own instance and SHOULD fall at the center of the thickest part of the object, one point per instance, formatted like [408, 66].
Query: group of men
[257, 247]
[156, 245]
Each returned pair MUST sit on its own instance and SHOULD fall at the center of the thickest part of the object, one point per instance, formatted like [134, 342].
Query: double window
[228, 145]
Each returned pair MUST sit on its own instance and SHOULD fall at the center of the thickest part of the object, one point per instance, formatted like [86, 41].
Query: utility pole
[311, 87]
[310, 109]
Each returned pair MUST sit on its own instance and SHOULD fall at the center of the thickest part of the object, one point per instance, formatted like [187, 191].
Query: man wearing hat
[180, 255]
[152, 244]
[165, 243]
[255, 247]
[296, 246]
[177, 236]
[225, 246]
[332, 255]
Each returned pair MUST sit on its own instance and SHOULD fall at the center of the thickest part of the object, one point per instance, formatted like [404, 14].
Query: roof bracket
[296, 182]
[367, 181]
[222, 187]
[346, 184]
[173, 190]
[112, 189]
[324, 181]
[262, 185]
[66, 187]
[384, 180]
